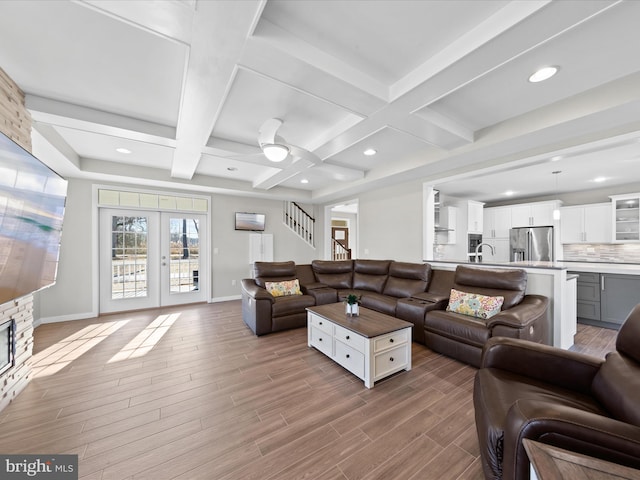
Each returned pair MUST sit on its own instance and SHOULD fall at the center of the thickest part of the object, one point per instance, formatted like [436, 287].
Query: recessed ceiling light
[232, 169]
[370, 151]
[123, 150]
[543, 74]
[599, 179]
[508, 193]
[557, 158]
[304, 180]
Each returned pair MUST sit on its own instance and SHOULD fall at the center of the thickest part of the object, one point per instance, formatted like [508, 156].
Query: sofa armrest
[431, 297]
[571, 370]
[253, 290]
[566, 427]
[256, 307]
[529, 310]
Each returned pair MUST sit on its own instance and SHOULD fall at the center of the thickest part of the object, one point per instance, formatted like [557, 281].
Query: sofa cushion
[474, 304]
[334, 273]
[379, 303]
[510, 284]
[284, 288]
[273, 272]
[370, 275]
[291, 304]
[617, 387]
[407, 279]
[458, 327]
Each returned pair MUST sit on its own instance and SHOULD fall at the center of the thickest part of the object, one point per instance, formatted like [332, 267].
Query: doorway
[151, 259]
[340, 243]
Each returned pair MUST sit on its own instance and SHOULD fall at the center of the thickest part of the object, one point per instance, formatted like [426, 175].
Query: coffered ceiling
[438, 88]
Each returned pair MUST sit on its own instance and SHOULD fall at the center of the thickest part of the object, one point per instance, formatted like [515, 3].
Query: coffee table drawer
[321, 323]
[390, 340]
[390, 361]
[349, 338]
[350, 358]
[322, 341]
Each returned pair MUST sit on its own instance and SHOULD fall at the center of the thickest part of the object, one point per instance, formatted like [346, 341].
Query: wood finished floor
[190, 393]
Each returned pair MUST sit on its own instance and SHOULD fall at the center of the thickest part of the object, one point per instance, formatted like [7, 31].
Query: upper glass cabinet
[626, 217]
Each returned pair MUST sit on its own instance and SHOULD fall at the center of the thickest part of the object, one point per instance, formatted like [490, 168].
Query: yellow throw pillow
[474, 305]
[283, 289]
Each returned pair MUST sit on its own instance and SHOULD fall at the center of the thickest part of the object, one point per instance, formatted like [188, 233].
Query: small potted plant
[352, 305]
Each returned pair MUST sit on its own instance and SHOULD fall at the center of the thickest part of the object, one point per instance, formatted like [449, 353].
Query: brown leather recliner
[570, 400]
[264, 313]
[521, 316]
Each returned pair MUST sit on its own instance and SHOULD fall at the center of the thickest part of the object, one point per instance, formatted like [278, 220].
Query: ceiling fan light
[275, 152]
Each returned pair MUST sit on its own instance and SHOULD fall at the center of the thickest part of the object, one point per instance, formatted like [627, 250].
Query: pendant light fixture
[556, 211]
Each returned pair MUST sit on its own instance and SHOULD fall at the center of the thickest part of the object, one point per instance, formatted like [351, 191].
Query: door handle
[602, 282]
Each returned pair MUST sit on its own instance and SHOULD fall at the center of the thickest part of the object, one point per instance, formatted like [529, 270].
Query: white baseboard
[225, 299]
[64, 318]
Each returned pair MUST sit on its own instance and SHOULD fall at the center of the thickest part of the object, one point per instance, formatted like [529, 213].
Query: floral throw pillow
[283, 289]
[473, 304]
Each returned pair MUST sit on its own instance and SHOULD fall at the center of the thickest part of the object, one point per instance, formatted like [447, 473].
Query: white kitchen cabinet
[538, 214]
[497, 222]
[626, 217]
[586, 223]
[475, 214]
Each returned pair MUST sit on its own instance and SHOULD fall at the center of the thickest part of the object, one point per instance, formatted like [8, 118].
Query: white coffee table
[372, 345]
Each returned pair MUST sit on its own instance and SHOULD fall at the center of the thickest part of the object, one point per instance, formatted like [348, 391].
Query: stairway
[299, 222]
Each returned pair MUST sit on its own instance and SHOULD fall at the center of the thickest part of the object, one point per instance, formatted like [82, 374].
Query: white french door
[151, 259]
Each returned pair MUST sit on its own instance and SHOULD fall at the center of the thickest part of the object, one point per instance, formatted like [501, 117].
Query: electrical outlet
[233, 282]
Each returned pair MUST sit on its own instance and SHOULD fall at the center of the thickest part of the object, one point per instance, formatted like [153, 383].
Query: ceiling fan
[276, 149]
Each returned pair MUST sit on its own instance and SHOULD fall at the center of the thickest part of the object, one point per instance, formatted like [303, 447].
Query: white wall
[74, 295]
[232, 260]
[390, 223]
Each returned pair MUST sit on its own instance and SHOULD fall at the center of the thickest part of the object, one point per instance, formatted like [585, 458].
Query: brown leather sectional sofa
[410, 291]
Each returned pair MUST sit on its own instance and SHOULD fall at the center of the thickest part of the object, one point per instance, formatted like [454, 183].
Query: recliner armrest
[566, 427]
[530, 309]
[571, 370]
[431, 297]
[249, 285]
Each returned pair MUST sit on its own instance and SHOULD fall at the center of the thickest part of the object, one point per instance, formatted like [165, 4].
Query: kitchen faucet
[477, 257]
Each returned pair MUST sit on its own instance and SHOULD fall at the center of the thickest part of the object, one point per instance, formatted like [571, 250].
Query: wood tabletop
[368, 324]
[552, 463]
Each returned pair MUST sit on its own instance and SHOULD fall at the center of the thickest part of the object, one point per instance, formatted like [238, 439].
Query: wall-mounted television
[32, 201]
[250, 221]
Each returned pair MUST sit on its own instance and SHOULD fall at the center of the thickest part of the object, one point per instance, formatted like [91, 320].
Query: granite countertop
[596, 267]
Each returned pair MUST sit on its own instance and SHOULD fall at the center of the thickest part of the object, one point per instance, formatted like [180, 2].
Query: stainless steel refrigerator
[531, 244]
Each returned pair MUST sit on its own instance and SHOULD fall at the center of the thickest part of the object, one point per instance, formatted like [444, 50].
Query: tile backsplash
[603, 252]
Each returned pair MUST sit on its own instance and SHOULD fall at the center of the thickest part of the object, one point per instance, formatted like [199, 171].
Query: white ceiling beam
[53, 112]
[504, 19]
[336, 172]
[220, 30]
[270, 181]
[296, 47]
[171, 20]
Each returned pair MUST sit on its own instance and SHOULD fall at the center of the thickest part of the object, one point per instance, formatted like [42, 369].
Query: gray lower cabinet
[605, 299]
[618, 295]
[588, 285]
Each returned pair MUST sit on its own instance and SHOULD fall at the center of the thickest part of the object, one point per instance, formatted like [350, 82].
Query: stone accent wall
[15, 122]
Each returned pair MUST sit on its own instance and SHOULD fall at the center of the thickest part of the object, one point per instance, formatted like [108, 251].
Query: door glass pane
[128, 257]
[185, 254]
